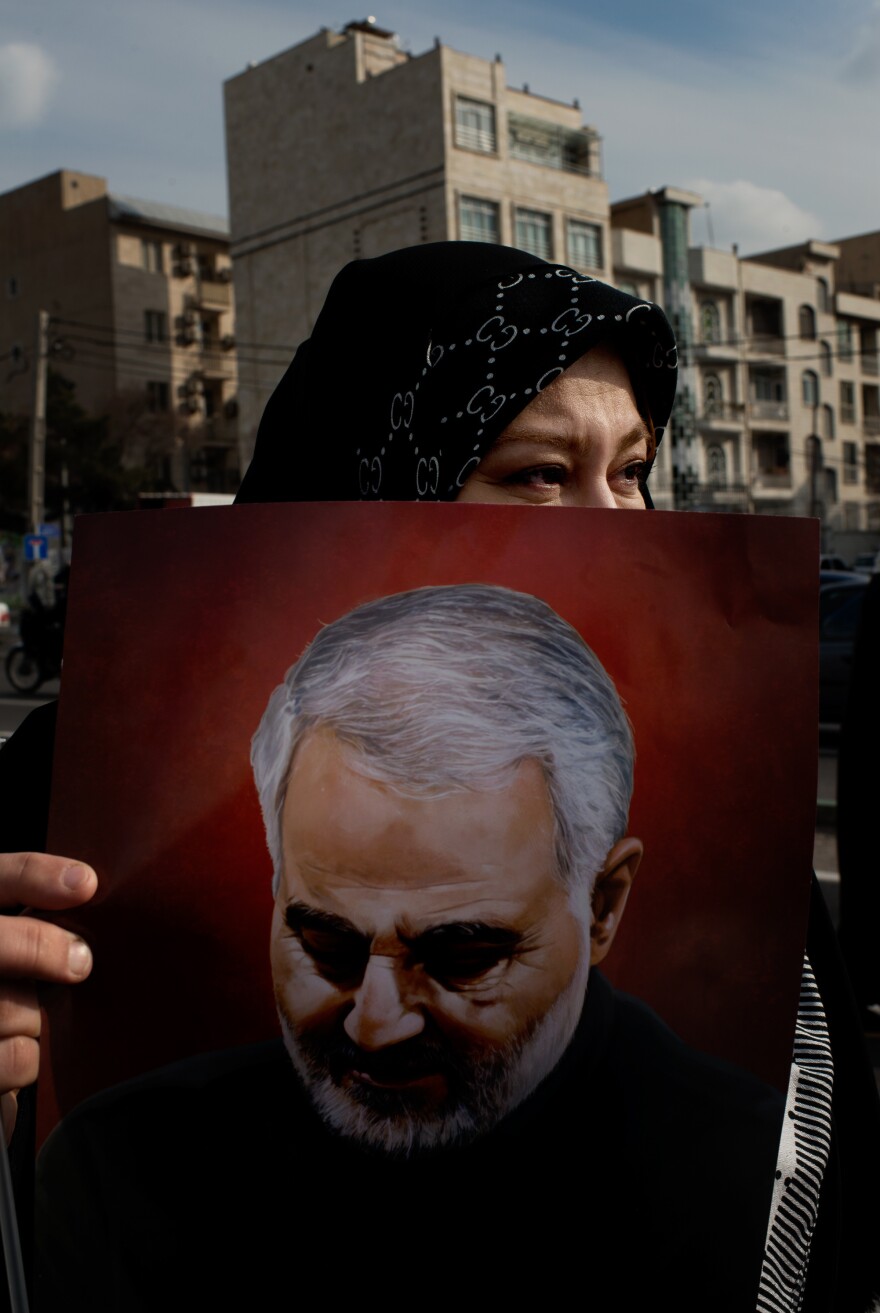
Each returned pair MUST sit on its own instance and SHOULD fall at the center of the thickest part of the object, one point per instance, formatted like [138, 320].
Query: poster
[181, 625]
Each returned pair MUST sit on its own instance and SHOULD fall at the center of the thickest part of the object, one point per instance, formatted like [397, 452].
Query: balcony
[871, 425]
[870, 362]
[539, 142]
[214, 294]
[776, 480]
[723, 414]
[216, 364]
[772, 410]
[765, 344]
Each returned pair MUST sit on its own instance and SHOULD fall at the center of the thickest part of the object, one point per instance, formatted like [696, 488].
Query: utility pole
[37, 449]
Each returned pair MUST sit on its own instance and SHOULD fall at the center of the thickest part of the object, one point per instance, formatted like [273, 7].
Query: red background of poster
[180, 625]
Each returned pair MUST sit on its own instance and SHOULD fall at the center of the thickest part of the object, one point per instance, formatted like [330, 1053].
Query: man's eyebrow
[300, 916]
[465, 932]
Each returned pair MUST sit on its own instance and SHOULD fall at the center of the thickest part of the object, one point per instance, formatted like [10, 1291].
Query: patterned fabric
[420, 359]
[803, 1157]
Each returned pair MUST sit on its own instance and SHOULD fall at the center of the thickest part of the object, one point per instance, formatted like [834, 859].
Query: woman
[449, 372]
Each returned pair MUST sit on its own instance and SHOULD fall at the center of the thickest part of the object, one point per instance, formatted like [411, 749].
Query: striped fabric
[803, 1155]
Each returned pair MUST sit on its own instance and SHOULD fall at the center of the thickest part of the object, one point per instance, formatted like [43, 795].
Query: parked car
[869, 561]
[840, 609]
[832, 563]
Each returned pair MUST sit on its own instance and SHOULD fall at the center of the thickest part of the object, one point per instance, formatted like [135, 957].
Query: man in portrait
[461, 1100]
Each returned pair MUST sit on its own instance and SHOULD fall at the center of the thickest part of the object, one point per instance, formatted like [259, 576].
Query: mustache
[423, 1055]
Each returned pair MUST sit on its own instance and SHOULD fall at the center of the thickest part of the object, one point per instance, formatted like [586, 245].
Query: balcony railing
[766, 344]
[768, 409]
[722, 412]
[772, 479]
[215, 293]
[871, 425]
[870, 362]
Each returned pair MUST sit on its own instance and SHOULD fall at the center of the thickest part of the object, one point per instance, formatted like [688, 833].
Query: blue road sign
[36, 547]
[49, 530]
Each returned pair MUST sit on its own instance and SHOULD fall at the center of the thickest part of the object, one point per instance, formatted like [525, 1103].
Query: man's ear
[610, 893]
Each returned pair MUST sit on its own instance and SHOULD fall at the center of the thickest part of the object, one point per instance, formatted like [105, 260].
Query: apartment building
[345, 146]
[141, 311]
[781, 373]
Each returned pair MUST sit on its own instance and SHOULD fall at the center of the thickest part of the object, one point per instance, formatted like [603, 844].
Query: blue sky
[768, 109]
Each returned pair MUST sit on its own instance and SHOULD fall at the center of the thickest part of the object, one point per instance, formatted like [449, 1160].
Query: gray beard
[490, 1086]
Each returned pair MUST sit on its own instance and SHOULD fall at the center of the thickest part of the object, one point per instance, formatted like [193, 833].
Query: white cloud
[756, 218]
[27, 75]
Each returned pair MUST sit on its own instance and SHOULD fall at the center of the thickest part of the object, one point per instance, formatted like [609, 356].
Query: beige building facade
[346, 147]
[141, 308]
[781, 373]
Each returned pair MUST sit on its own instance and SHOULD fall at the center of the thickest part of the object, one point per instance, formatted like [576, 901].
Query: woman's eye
[539, 476]
[635, 473]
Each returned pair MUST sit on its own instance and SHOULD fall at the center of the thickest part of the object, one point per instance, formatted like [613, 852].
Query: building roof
[158, 215]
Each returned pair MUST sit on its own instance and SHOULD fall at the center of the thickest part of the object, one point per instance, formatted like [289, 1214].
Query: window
[155, 326]
[872, 466]
[538, 142]
[713, 395]
[810, 387]
[585, 245]
[823, 298]
[151, 256]
[806, 323]
[847, 403]
[768, 387]
[477, 220]
[716, 466]
[868, 350]
[844, 340]
[534, 233]
[826, 358]
[828, 421]
[710, 322]
[475, 126]
[850, 463]
[157, 397]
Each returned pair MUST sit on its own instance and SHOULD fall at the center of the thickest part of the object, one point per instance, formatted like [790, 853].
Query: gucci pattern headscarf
[420, 359]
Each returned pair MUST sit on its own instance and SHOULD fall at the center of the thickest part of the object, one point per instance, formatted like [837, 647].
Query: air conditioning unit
[185, 266]
[186, 337]
[190, 318]
[191, 407]
[227, 342]
[225, 275]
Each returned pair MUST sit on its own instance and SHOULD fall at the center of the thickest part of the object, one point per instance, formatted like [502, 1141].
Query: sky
[768, 110]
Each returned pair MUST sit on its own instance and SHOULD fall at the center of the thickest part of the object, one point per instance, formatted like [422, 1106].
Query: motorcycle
[37, 658]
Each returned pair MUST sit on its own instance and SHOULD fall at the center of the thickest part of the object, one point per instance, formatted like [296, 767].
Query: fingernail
[79, 958]
[72, 877]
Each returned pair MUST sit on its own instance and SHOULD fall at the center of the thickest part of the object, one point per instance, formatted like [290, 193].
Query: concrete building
[779, 409]
[345, 146]
[142, 321]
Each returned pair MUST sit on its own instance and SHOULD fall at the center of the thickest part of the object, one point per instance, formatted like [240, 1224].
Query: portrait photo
[432, 856]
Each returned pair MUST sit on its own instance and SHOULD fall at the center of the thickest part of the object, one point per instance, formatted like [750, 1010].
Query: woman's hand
[34, 952]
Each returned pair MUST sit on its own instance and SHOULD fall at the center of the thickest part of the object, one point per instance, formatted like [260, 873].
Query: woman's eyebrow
[565, 442]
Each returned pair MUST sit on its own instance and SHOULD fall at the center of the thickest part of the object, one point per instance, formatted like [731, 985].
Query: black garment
[421, 358]
[640, 1169]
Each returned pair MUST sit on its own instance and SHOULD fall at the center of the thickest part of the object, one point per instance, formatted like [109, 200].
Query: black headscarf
[420, 359]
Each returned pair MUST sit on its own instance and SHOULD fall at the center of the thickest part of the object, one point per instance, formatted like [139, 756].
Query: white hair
[451, 688]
